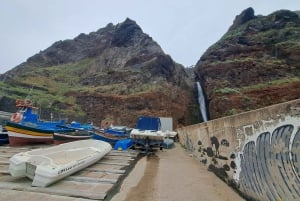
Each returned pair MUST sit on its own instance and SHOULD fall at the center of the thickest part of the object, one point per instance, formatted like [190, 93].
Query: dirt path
[172, 175]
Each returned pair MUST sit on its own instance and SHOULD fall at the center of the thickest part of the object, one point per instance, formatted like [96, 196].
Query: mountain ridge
[118, 73]
[254, 64]
[117, 63]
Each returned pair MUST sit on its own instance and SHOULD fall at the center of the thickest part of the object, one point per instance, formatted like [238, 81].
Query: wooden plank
[6, 155]
[13, 152]
[117, 161]
[63, 188]
[61, 192]
[113, 163]
[116, 157]
[4, 168]
[125, 154]
[91, 180]
[4, 162]
[105, 170]
[99, 175]
[106, 166]
[14, 195]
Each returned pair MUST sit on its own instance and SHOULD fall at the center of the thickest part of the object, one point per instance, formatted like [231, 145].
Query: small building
[166, 123]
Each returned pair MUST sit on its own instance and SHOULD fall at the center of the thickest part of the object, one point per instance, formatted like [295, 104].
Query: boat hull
[48, 165]
[147, 138]
[139, 134]
[4, 138]
[108, 138]
[21, 135]
[59, 138]
[31, 134]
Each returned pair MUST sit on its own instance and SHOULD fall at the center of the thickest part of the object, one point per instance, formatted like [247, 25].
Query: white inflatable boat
[48, 165]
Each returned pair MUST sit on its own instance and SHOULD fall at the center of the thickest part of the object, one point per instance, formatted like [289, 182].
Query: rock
[245, 68]
[245, 16]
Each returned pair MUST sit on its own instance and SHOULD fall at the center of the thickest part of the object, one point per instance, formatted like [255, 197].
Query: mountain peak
[245, 16]
[126, 32]
[129, 21]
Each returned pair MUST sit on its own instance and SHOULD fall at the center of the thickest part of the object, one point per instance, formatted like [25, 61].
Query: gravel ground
[173, 175]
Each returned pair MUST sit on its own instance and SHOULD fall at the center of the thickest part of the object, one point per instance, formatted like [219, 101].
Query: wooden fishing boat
[25, 127]
[76, 131]
[117, 130]
[69, 136]
[48, 165]
[111, 134]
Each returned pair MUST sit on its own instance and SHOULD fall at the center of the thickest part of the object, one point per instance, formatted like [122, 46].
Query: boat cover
[148, 123]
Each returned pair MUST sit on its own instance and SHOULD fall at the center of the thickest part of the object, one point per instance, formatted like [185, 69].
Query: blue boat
[111, 134]
[78, 126]
[74, 131]
[117, 130]
[25, 127]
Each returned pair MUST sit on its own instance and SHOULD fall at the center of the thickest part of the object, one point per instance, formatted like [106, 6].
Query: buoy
[16, 117]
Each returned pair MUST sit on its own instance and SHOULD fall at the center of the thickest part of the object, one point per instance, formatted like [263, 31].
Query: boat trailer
[147, 145]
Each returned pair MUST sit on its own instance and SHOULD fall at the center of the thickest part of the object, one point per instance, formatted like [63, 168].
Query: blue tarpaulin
[148, 123]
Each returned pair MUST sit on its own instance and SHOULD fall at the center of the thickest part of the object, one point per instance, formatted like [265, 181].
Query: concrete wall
[257, 152]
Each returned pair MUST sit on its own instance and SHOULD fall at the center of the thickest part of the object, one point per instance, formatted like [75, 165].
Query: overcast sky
[183, 28]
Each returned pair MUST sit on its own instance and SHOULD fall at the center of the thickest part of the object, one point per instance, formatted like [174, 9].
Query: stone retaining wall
[257, 152]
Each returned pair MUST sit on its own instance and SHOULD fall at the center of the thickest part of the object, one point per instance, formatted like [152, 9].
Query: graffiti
[240, 138]
[215, 143]
[225, 143]
[189, 144]
[260, 159]
[269, 167]
[232, 156]
[213, 150]
[232, 165]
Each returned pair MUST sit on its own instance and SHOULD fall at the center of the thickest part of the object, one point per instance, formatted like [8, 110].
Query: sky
[183, 28]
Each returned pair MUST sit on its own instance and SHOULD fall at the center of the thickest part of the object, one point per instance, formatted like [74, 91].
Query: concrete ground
[173, 175]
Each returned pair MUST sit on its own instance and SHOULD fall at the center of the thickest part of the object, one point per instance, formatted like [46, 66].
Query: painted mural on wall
[269, 165]
[261, 159]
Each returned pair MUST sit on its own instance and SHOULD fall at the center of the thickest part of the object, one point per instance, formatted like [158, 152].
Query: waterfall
[201, 101]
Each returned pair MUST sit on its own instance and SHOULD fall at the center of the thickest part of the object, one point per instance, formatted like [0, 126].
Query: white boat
[147, 134]
[140, 134]
[171, 134]
[48, 165]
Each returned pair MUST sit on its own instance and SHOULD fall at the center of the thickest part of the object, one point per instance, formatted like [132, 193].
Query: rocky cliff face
[255, 64]
[119, 73]
[116, 73]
